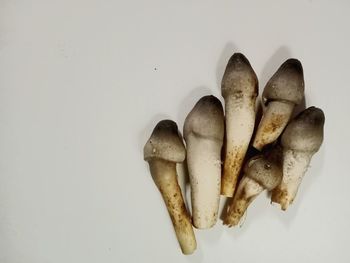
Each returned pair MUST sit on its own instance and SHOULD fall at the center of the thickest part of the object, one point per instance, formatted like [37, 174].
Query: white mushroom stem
[204, 164]
[273, 122]
[165, 177]
[294, 169]
[240, 119]
[247, 191]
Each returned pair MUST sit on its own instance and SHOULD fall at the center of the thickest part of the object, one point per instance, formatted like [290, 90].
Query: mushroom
[204, 134]
[300, 141]
[282, 93]
[162, 151]
[260, 173]
[239, 88]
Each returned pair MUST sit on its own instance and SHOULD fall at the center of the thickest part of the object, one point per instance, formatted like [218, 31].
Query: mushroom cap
[206, 119]
[264, 171]
[165, 143]
[239, 78]
[305, 132]
[286, 84]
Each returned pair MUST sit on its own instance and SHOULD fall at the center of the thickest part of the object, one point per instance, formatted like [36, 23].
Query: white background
[82, 84]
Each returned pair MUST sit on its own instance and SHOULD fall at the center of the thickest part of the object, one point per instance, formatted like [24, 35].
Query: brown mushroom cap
[266, 172]
[305, 132]
[206, 119]
[165, 143]
[286, 84]
[239, 78]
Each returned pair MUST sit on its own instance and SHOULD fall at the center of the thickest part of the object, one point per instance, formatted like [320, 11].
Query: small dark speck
[155, 69]
[267, 166]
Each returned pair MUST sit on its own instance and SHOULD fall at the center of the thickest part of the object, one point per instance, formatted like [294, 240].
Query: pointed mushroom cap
[165, 143]
[206, 119]
[239, 77]
[305, 132]
[266, 172]
[286, 84]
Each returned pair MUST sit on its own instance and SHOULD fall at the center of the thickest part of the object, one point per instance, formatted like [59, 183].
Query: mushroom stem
[165, 177]
[204, 164]
[273, 122]
[240, 119]
[247, 191]
[294, 169]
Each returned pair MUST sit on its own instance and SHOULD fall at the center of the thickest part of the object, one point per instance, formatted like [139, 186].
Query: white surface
[82, 83]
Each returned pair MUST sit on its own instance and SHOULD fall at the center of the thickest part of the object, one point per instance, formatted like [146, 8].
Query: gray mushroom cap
[264, 171]
[165, 143]
[305, 132]
[239, 77]
[206, 119]
[286, 84]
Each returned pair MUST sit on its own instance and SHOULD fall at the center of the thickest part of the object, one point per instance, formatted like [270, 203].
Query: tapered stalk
[273, 122]
[295, 165]
[240, 118]
[204, 164]
[247, 191]
[165, 177]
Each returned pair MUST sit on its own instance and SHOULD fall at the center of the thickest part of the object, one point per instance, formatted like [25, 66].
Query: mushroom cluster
[217, 143]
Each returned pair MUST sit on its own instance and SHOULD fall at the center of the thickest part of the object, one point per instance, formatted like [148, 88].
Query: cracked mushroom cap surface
[239, 77]
[266, 172]
[305, 132]
[286, 84]
[165, 143]
[206, 119]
